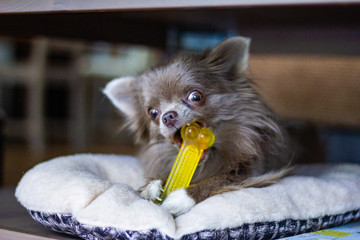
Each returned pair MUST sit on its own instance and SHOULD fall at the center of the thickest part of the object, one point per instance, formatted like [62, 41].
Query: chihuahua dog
[212, 90]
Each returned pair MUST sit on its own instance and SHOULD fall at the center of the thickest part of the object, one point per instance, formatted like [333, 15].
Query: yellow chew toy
[195, 141]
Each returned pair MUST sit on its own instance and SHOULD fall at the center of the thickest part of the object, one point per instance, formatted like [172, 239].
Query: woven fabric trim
[65, 223]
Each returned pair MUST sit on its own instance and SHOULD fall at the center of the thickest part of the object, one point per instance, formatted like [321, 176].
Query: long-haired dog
[212, 90]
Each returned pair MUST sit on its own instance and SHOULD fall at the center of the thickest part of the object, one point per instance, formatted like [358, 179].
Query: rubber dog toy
[195, 140]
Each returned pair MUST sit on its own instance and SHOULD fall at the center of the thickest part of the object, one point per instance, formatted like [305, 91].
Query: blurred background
[306, 65]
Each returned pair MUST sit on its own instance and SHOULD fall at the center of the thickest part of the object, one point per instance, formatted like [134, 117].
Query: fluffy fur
[160, 101]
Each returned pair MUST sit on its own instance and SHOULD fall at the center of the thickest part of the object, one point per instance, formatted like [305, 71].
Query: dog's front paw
[178, 202]
[152, 190]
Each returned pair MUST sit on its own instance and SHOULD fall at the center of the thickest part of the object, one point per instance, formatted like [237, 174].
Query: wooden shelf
[111, 5]
[331, 27]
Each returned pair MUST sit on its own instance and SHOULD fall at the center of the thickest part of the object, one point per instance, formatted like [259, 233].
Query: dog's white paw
[152, 190]
[178, 202]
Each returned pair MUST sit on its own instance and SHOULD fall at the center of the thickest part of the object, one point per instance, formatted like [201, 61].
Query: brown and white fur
[211, 89]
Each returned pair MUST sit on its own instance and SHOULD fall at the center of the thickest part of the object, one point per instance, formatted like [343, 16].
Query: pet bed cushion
[95, 197]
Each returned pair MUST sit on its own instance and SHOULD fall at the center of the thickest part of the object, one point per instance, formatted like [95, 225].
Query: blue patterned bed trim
[65, 223]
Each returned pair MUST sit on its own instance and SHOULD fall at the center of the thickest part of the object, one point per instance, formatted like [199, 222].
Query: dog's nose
[169, 118]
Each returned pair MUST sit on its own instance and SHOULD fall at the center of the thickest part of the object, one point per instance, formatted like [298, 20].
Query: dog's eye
[153, 113]
[195, 96]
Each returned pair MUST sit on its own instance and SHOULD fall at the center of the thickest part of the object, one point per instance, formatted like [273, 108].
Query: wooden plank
[13, 235]
[23, 6]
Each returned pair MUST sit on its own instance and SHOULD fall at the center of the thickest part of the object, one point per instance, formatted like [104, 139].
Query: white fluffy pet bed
[95, 197]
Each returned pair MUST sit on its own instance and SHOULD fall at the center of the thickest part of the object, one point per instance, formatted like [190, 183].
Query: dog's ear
[230, 56]
[123, 94]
